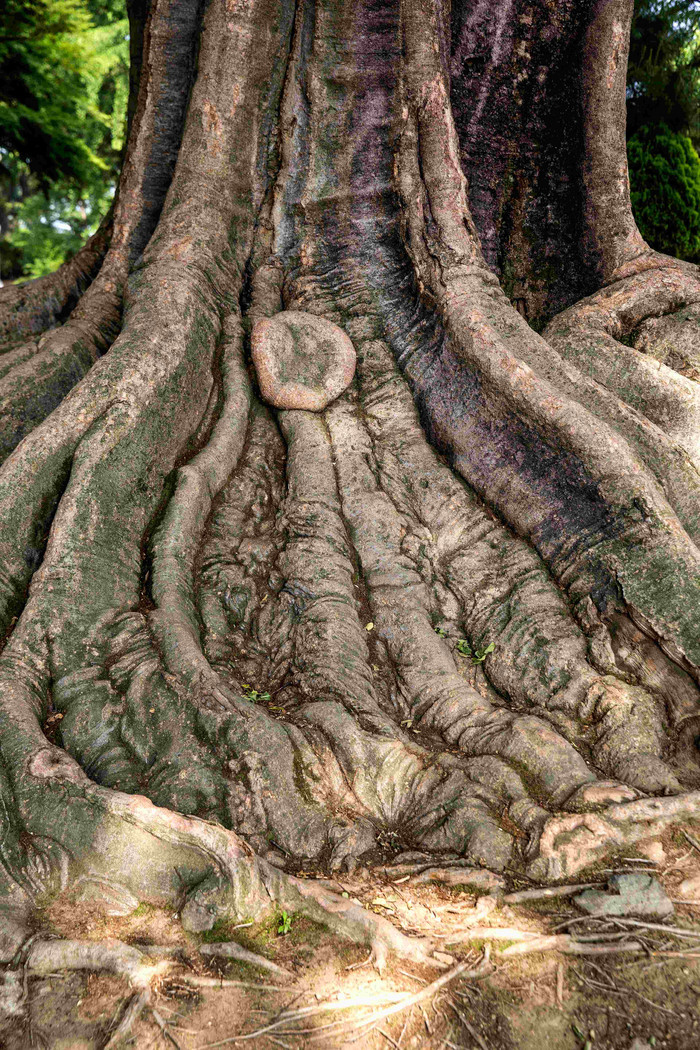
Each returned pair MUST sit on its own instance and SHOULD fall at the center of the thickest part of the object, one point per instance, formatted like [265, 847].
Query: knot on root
[302, 361]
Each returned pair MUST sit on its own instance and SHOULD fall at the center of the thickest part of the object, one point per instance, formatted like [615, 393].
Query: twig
[489, 933]
[373, 1019]
[405, 1026]
[602, 973]
[216, 982]
[359, 965]
[566, 944]
[678, 955]
[431, 989]
[288, 1017]
[360, 1035]
[164, 1028]
[598, 917]
[287, 1006]
[388, 1038]
[677, 931]
[691, 839]
[601, 937]
[627, 991]
[135, 1007]
[469, 1027]
[678, 864]
[546, 892]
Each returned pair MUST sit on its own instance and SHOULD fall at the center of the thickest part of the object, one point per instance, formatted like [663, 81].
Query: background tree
[456, 609]
[63, 87]
[663, 74]
[665, 182]
[663, 124]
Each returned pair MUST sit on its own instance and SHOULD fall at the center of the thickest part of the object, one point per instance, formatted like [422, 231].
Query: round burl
[302, 361]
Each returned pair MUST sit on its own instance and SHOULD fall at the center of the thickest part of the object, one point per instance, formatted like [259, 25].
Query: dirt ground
[544, 999]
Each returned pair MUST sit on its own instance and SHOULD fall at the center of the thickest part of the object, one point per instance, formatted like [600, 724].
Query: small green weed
[285, 923]
[476, 657]
[252, 694]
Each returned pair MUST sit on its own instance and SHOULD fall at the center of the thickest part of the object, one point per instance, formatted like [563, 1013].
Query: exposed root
[592, 335]
[135, 1007]
[106, 830]
[179, 536]
[305, 634]
[231, 950]
[56, 956]
[30, 307]
[498, 369]
[570, 844]
[289, 1017]
[672, 339]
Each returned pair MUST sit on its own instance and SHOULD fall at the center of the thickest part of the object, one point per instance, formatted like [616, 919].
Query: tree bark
[456, 610]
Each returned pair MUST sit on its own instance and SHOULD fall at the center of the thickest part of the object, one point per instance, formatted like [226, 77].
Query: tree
[63, 83]
[457, 610]
[665, 184]
[663, 109]
[663, 78]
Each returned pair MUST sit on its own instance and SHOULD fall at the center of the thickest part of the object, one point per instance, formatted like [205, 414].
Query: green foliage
[47, 230]
[665, 185]
[252, 694]
[663, 76]
[64, 68]
[285, 923]
[476, 657]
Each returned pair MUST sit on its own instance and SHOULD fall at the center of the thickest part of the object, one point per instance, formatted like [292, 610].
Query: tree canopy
[663, 123]
[63, 92]
[663, 75]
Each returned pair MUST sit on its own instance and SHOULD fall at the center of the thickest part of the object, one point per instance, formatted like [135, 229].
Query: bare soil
[529, 1002]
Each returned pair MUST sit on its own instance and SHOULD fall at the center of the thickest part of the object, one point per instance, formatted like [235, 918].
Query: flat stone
[302, 361]
[690, 888]
[12, 1002]
[653, 849]
[635, 894]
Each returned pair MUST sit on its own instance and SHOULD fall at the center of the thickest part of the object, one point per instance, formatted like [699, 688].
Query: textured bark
[236, 637]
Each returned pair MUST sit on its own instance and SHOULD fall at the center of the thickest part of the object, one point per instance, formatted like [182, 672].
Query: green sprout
[476, 657]
[285, 923]
[252, 694]
[481, 654]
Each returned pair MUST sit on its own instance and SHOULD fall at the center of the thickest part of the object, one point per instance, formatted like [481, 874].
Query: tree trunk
[457, 609]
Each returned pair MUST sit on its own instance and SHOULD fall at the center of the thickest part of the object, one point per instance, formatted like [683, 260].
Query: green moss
[259, 938]
[301, 772]
[143, 911]
[306, 933]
